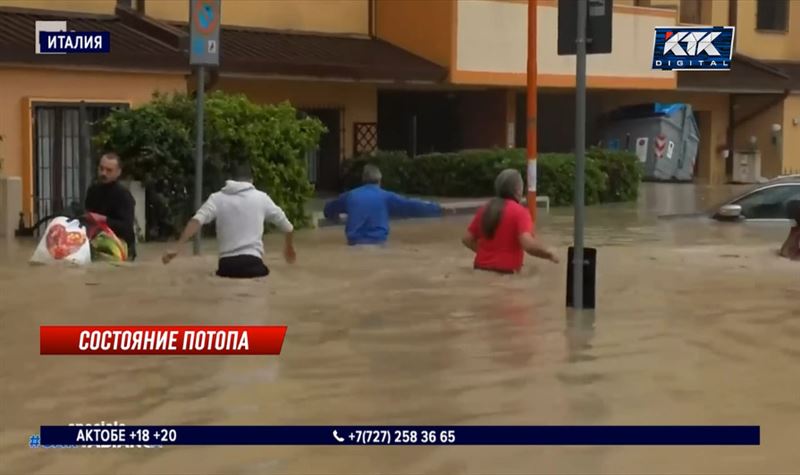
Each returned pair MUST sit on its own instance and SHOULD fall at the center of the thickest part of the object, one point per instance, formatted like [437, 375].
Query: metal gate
[64, 156]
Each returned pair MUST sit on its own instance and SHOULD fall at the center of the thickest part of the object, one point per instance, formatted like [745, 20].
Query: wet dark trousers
[242, 267]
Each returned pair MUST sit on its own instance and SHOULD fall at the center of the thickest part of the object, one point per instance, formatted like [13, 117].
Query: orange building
[427, 75]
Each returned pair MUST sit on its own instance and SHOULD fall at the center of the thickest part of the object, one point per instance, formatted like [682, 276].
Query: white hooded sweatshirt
[240, 211]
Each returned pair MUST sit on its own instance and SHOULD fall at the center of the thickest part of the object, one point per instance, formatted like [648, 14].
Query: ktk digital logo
[693, 48]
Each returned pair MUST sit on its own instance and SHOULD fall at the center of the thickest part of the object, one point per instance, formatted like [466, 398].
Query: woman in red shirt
[502, 231]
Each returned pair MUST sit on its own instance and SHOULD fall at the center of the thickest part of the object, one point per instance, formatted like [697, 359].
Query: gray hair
[507, 186]
[508, 183]
[371, 174]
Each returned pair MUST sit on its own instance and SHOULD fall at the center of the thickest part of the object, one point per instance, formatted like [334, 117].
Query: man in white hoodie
[240, 211]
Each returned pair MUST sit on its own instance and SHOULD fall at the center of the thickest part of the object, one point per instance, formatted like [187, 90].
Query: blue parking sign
[205, 24]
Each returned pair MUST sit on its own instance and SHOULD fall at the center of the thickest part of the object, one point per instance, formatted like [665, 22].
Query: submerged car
[766, 202]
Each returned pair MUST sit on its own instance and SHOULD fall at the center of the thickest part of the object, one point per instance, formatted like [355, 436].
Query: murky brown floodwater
[697, 323]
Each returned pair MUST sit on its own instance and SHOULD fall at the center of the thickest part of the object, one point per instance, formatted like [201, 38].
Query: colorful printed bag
[64, 240]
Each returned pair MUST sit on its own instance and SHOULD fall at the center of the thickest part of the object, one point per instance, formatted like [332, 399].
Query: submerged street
[697, 322]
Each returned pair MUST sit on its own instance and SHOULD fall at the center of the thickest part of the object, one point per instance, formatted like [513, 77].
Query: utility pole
[532, 104]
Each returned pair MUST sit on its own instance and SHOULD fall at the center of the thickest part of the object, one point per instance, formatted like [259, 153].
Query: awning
[792, 69]
[251, 51]
[747, 75]
[130, 49]
[139, 42]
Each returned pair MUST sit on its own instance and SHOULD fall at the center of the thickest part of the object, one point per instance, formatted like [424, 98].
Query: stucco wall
[84, 6]
[330, 16]
[339, 16]
[492, 42]
[766, 44]
[791, 134]
[424, 28]
[760, 127]
[20, 86]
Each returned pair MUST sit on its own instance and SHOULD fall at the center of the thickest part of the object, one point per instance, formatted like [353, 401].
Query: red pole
[531, 109]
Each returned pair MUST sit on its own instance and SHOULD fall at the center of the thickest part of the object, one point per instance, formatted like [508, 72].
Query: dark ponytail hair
[506, 186]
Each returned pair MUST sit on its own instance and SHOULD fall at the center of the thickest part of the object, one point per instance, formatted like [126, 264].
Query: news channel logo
[53, 37]
[707, 48]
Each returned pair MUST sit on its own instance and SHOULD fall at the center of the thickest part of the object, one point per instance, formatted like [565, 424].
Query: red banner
[161, 340]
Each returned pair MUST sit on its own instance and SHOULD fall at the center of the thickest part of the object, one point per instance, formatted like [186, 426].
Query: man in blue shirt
[369, 207]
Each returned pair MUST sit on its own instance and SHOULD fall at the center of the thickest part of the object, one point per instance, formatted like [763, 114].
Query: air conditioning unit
[746, 167]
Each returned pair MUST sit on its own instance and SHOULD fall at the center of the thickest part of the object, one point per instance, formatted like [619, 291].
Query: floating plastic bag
[106, 246]
[64, 240]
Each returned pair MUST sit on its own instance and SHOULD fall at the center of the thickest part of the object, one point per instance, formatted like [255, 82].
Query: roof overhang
[746, 76]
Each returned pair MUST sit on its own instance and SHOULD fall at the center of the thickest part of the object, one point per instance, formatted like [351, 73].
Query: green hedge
[610, 175]
[156, 142]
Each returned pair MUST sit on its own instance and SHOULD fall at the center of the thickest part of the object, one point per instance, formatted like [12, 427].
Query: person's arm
[89, 202]
[121, 219]
[412, 208]
[470, 242]
[276, 216]
[206, 214]
[526, 239]
[335, 207]
[470, 239]
[791, 247]
[535, 248]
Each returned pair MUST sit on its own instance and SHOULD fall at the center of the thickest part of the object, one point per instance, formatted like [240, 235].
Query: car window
[769, 203]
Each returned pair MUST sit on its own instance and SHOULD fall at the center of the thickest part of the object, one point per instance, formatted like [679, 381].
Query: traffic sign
[204, 27]
[598, 26]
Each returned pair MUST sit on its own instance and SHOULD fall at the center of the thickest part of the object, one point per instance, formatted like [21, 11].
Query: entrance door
[61, 169]
[327, 169]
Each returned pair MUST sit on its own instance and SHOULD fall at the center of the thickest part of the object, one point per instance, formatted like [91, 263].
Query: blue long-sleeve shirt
[368, 209]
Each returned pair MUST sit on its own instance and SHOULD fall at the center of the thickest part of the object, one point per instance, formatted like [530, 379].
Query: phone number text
[402, 437]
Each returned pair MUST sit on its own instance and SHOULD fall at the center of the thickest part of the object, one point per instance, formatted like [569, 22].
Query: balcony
[491, 47]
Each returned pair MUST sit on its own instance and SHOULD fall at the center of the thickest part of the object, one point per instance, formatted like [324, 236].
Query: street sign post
[584, 27]
[204, 30]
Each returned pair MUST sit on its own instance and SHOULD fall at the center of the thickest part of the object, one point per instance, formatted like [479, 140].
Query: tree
[156, 144]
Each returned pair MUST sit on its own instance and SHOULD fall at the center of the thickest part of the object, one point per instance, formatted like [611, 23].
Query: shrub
[610, 175]
[623, 171]
[156, 142]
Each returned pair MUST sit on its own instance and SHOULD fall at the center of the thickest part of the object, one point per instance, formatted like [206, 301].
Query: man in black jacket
[113, 202]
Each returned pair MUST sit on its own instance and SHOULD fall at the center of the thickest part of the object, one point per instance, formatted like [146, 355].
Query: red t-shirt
[503, 252]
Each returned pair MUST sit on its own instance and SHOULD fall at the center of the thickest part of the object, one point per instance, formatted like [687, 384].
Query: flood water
[696, 323]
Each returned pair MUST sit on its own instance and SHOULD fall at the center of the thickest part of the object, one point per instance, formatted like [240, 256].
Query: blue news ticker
[401, 435]
[67, 42]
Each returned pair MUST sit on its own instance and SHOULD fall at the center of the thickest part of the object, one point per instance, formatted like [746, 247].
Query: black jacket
[116, 203]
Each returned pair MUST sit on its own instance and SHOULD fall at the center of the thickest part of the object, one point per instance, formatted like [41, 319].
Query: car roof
[784, 179]
[781, 180]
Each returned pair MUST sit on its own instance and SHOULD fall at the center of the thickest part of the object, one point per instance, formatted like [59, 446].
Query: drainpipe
[733, 7]
[731, 133]
[372, 5]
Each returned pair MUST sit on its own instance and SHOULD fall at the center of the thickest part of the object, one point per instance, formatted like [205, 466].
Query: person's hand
[168, 256]
[289, 254]
[553, 257]
[95, 217]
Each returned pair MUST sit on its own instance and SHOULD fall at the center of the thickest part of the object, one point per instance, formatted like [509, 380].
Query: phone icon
[336, 436]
